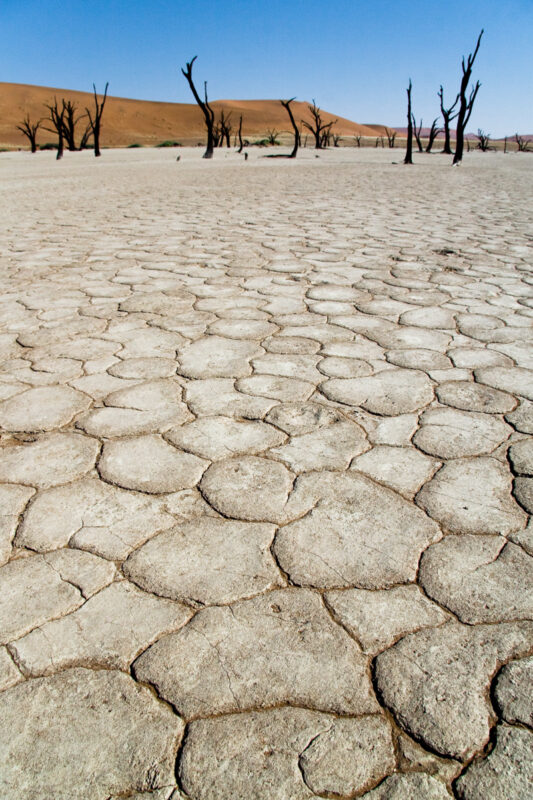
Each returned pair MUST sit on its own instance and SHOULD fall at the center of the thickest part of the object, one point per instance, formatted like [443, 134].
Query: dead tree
[448, 116]
[70, 122]
[409, 148]
[327, 134]
[272, 136]
[336, 139]
[417, 131]
[287, 106]
[317, 126]
[29, 129]
[57, 119]
[84, 142]
[522, 144]
[433, 133]
[466, 104]
[505, 145]
[225, 129]
[241, 143]
[483, 140]
[357, 140]
[95, 119]
[391, 136]
[209, 114]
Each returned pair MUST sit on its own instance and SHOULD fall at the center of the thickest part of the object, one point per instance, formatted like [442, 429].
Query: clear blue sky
[354, 57]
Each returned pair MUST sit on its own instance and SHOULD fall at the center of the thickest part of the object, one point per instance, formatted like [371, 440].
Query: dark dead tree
[326, 136]
[336, 139]
[448, 115]
[241, 143]
[29, 129]
[377, 141]
[522, 144]
[95, 119]
[272, 136]
[86, 135]
[505, 145]
[317, 126]
[409, 148]
[483, 143]
[357, 140]
[466, 103]
[417, 131]
[58, 125]
[209, 114]
[433, 133]
[391, 136]
[225, 129]
[287, 106]
[382, 141]
[217, 135]
[70, 121]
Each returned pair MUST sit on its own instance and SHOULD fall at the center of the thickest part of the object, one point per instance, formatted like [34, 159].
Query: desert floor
[265, 470]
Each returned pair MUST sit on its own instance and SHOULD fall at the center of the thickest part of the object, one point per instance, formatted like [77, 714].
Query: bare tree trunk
[209, 114]
[433, 133]
[465, 104]
[57, 120]
[95, 121]
[409, 149]
[85, 137]
[70, 124]
[417, 131]
[448, 116]
[241, 143]
[29, 129]
[483, 140]
[317, 127]
[287, 106]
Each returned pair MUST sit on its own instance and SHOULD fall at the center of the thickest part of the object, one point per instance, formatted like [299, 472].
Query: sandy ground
[265, 470]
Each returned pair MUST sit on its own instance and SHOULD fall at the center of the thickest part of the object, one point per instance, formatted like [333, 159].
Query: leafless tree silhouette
[417, 131]
[391, 136]
[241, 143]
[318, 127]
[57, 119]
[409, 148]
[522, 144]
[87, 133]
[287, 106]
[29, 129]
[357, 140]
[448, 116]
[466, 104]
[209, 114]
[272, 136]
[70, 122]
[95, 119]
[225, 129]
[483, 140]
[336, 139]
[433, 133]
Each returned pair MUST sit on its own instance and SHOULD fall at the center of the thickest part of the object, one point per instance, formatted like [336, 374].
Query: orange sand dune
[128, 121]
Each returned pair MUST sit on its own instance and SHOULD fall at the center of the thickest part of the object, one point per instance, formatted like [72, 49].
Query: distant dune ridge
[126, 121]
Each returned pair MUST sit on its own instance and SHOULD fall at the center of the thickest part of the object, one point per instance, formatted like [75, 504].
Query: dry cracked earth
[265, 473]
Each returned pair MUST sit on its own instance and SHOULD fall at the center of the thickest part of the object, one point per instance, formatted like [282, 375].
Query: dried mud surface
[265, 475]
